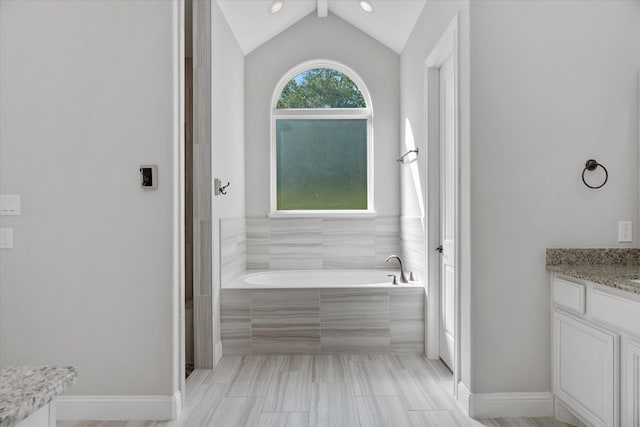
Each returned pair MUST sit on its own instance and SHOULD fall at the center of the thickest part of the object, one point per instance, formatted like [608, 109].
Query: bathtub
[288, 279]
[321, 312]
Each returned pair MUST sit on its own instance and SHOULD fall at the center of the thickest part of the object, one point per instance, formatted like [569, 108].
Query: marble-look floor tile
[290, 391]
[202, 403]
[438, 419]
[283, 419]
[297, 362]
[415, 396]
[331, 369]
[225, 371]
[329, 403]
[382, 411]
[333, 405]
[373, 378]
[253, 379]
[415, 362]
[236, 412]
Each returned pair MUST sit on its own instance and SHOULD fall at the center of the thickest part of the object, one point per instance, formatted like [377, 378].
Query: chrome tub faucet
[403, 277]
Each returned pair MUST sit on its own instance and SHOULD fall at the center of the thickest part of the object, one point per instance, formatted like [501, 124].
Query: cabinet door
[631, 385]
[586, 370]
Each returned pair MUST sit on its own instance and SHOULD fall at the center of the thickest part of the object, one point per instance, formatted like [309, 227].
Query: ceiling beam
[323, 8]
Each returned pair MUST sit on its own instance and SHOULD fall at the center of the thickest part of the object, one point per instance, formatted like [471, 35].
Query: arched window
[321, 142]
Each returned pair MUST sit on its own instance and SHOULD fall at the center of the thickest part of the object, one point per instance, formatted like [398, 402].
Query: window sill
[322, 214]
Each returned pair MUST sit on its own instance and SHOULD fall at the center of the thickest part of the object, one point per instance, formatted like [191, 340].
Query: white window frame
[322, 114]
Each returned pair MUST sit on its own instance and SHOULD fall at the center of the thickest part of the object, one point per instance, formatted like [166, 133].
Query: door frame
[447, 45]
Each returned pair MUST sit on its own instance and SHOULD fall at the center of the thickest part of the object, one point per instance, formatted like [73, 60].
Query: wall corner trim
[494, 405]
[119, 407]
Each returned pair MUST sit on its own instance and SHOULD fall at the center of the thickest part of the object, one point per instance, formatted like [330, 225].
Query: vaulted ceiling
[252, 23]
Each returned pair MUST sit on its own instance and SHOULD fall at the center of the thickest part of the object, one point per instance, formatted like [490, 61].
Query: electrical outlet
[6, 238]
[625, 232]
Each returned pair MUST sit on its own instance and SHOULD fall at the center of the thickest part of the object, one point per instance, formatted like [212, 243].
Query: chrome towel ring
[590, 166]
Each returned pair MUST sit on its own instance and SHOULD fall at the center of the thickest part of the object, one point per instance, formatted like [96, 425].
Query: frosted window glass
[321, 164]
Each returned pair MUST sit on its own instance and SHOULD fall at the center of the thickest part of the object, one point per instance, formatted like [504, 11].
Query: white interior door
[447, 137]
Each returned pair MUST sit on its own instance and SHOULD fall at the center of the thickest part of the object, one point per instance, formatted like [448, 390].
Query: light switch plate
[9, 204]
[6, 238]
[625, 234]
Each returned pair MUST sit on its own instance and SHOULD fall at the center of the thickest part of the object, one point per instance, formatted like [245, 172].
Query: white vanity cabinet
[596, 353]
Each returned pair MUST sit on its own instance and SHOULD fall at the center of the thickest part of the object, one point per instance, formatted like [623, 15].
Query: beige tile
[382, 411]
[333, 405]
[290, 391]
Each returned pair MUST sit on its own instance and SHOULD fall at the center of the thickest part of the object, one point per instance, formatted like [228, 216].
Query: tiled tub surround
[320, 243]
[412, 241]
[321, 321]
[25, 389]
[615, 268]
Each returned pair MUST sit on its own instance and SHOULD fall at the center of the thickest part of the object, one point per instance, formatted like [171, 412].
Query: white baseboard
[464, 397]
[492, 405]
[119, 407]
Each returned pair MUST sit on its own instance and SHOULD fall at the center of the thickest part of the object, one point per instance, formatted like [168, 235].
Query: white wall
[431, 24]
[88, 93]
[322, 38]
[227, 148]
[552, 85]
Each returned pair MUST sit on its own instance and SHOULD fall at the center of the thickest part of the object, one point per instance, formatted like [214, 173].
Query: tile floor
[325, 390]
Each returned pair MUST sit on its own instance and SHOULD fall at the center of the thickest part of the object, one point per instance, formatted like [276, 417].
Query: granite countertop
[25, 389]
[615, 268]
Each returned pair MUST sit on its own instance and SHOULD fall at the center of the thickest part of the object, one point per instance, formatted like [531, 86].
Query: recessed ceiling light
[366, 6]
[275, 6]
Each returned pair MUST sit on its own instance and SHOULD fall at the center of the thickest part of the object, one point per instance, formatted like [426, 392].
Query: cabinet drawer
[616, 311]
[569, 295]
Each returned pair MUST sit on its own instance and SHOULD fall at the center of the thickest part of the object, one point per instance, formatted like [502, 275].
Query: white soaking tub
[287, 279]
